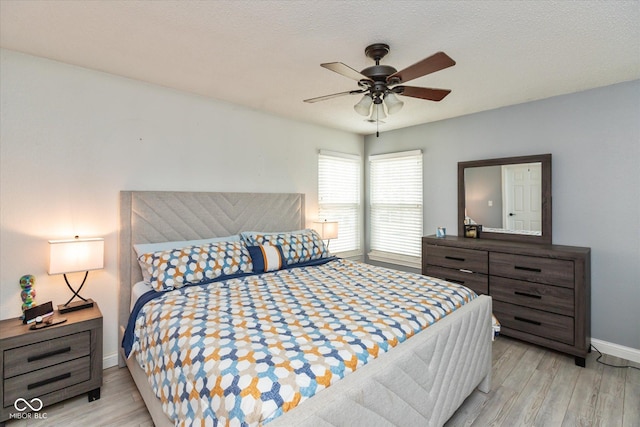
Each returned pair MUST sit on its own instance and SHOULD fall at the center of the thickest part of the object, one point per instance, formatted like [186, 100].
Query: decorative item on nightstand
[327, 230]
[75, 255]
[28, 293]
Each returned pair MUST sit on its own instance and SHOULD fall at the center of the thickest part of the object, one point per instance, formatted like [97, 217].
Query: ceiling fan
[381, 83]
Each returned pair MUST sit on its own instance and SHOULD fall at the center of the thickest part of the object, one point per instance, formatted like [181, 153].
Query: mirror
[510, 197]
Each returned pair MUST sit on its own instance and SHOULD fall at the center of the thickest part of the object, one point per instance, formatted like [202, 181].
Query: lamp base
[75, 306]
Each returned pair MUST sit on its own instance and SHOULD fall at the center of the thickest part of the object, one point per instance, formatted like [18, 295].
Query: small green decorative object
[28, 294]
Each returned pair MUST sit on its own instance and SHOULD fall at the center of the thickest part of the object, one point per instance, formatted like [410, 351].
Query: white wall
[594, 139]
[72, 138]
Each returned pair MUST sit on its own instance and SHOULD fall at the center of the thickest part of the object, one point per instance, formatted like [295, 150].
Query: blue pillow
[266, 257]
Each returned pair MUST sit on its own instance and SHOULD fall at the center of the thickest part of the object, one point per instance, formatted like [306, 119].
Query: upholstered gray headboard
[162, 216]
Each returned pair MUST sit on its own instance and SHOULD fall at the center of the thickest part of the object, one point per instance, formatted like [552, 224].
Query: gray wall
[594, 137]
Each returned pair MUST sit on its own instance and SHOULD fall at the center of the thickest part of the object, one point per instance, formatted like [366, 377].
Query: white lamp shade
[69, 256]
[377, 113]
[393, 103]
[363, 107]
[326, 229]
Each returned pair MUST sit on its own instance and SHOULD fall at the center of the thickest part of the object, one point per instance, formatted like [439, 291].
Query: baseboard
[110, 360]
[617, 350]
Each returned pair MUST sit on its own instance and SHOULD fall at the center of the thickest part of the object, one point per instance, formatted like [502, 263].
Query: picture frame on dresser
[472, 231]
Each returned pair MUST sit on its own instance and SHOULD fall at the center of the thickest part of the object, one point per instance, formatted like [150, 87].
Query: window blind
[339, 183]
[396, 207]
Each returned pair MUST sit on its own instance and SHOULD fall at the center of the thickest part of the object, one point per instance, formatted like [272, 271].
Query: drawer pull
[49, 381]
[459, 282]
[524, 294]
[454, 258]
[535, 270]
[463, 270]
[49, 354]
[522, 319]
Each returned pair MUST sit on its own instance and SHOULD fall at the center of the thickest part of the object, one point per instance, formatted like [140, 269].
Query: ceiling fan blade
[436, 62]
[422, 92]
[345, 70]
[335, 95]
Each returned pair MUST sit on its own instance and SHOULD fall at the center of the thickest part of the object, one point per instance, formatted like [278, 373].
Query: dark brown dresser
[541, 293]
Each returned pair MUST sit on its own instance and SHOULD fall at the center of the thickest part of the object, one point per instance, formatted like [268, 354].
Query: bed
[420, 381]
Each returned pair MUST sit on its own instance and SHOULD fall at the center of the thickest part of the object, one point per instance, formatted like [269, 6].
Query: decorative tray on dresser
[540, 292]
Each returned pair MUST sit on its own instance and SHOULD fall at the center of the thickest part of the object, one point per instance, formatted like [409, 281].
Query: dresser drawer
[543, 324]
[479, 283]
[534, 295]
[458, 258]
[533, 269]
[47, 380]
[39, 355]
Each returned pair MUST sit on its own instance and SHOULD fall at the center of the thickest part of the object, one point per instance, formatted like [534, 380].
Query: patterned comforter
[244, 351]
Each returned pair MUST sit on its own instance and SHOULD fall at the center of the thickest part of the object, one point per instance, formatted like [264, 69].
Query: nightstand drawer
[467, 259]
[534, 295]
[47, 380]
[556, 272]
[479, 283]
[39, 355]
[535, 322]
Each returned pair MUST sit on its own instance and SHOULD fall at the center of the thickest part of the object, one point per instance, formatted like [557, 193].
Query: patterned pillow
[266, 257]
[173, 269]
[144, 248]
[297, 246]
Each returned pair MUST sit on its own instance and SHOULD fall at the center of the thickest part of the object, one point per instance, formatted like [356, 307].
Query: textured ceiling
[266, 54]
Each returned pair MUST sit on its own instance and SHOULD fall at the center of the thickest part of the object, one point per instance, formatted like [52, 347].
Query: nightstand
[51, 364]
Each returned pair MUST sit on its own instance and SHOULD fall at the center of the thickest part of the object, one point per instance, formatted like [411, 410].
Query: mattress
[312, 327]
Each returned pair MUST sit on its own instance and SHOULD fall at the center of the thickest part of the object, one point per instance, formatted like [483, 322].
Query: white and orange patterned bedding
[245, 350]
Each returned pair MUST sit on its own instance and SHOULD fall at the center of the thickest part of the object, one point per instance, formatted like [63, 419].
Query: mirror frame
[545, 160]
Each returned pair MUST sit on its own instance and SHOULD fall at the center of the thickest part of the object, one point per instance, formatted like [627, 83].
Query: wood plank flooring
[531, 386]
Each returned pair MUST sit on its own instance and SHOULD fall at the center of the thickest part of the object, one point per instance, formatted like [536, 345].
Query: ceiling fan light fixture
[363, 107]
[393, 103]
[377, 113]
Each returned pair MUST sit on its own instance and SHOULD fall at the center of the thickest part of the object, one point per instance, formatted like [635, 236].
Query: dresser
[45, 366]
[541, 293]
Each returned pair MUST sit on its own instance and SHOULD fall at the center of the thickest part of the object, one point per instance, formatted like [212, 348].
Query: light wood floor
[531, 386]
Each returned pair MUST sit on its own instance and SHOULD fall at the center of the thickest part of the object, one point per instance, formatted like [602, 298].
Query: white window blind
[339, 183]
[396, 207]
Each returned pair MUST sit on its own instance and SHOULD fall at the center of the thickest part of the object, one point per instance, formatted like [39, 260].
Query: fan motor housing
[378, 72]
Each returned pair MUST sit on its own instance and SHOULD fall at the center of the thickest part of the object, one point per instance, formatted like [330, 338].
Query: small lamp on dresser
[75, 255]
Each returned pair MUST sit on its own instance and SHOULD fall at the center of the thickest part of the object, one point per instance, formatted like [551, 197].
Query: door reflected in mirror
[505, 198]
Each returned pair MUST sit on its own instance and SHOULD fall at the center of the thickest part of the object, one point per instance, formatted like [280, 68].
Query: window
[339, 182]
[396, 207]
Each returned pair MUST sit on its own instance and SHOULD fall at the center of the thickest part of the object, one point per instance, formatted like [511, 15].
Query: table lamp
[75, 255]
[327, 230]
